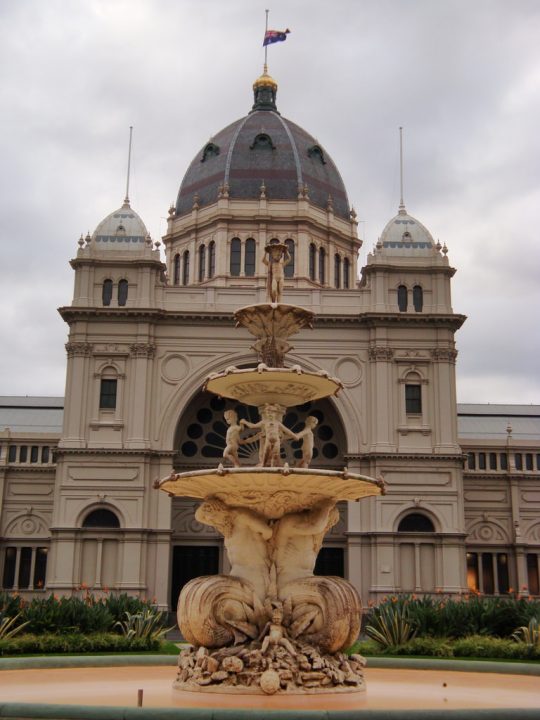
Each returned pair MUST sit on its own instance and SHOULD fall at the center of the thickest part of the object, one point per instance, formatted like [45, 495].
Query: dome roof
[121, 230]
[263, 147]
[404, 232]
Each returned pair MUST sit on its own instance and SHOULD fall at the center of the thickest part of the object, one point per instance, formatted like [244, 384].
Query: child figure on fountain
[272, 430]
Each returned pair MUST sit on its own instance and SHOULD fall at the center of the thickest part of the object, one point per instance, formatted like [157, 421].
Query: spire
[126, 199]
[402, 210]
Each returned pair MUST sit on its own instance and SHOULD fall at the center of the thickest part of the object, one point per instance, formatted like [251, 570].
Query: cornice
[71, 313]
[114, 451]
[372, 268]
[117, 262]
[404, 456]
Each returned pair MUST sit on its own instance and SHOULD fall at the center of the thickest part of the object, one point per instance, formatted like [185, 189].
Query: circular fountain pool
[387, 688]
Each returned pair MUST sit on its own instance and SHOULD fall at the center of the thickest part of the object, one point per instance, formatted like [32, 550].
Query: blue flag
[274, 36]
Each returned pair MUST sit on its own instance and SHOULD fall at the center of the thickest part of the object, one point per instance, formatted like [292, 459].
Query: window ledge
[406, 429]
[114, 424]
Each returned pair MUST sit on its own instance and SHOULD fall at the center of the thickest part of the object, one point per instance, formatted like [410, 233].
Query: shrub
[482, 646]
[120, 604]
[391, 624]
[143, 625]
[75, 643]
[424, 646]
[529, 634]
[364, 647]
[67, 615]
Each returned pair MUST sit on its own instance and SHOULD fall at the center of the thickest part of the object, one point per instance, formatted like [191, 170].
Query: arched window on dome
[337, 271]
[416, 523]
[106, 292]
[236, 253]
[122, 292]
[322, 266]
[289, 269]
[418, 298]
[101, 518]
[211, 259]
[262, 141]
[346, 273]
[202, 262]
[402, 299]
[176, 269]
[316, 152]
[312, 256]
[210, 150]
[249, 258]
[185, 268]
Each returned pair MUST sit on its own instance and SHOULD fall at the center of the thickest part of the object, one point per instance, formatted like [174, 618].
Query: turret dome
[404, 232]
[263, 148]
[123, 229]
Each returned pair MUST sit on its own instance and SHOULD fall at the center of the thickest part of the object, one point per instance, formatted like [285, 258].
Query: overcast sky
[461, 76]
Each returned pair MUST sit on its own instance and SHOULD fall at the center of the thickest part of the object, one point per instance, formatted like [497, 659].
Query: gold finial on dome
[265, 80]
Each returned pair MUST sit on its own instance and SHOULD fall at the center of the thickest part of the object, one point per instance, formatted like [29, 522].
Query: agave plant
[391, 624]
[529, 634]
[9, 627]
[147, 625]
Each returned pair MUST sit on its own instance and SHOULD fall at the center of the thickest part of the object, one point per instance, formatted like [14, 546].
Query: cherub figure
[272, 430]
[275, 634]
[233, 439]
[276, 257]
[308, 439]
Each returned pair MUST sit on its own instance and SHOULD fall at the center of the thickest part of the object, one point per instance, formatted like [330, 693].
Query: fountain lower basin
[389, 689]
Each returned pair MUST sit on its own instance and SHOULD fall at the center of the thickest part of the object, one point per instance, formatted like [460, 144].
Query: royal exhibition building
[78, 507]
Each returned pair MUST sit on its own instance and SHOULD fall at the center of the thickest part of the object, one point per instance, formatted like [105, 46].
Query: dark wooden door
[191, 561]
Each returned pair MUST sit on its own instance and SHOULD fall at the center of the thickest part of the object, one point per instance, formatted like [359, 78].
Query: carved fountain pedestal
[271, 625]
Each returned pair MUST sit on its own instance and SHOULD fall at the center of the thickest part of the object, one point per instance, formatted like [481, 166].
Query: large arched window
[322, 266]
[346, 273]
[402, 298]
[202, 262]
[289, 269]
[413, 395]
[312, 256]
[176, 269]
[249, 258]
[185, 268]
[236, 252]
[211, 259]
[418, 298]
[101, 518]
[106, 292]
[122, 292]
[337, 271]
[416, 523]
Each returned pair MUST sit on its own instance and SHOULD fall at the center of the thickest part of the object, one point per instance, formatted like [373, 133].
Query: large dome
[263, 147]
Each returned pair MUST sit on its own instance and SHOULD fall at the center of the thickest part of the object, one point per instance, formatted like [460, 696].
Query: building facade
[77, 506]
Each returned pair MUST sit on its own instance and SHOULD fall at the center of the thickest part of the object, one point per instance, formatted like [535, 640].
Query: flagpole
[266, 46]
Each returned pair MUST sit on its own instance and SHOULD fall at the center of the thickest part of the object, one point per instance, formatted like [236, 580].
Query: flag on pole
[274, 36]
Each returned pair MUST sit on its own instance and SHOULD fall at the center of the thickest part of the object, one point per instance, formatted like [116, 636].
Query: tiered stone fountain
[271, 625]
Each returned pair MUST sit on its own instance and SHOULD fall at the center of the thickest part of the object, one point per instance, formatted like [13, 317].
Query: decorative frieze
[78, 349]
[378, 352]
[444, 355]
[143, 350]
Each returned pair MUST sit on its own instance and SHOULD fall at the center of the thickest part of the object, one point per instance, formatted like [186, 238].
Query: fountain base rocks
[270, 626]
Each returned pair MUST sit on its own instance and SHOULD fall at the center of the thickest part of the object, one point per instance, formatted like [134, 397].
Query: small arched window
[413, 396]
[106, 292]
[101, 518]
[211, 259]
[346, 273]
[236, 250]
[402, 300]
[337, 270]
[202, 262]
[312, 255]
[185, 268]
[264, 141]
[316, 152]
[210, 150]
[122, 292]
[322, 266]
[176, 269]
[417, 523]
[418, 298]
[249, 258]
[289, 269]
